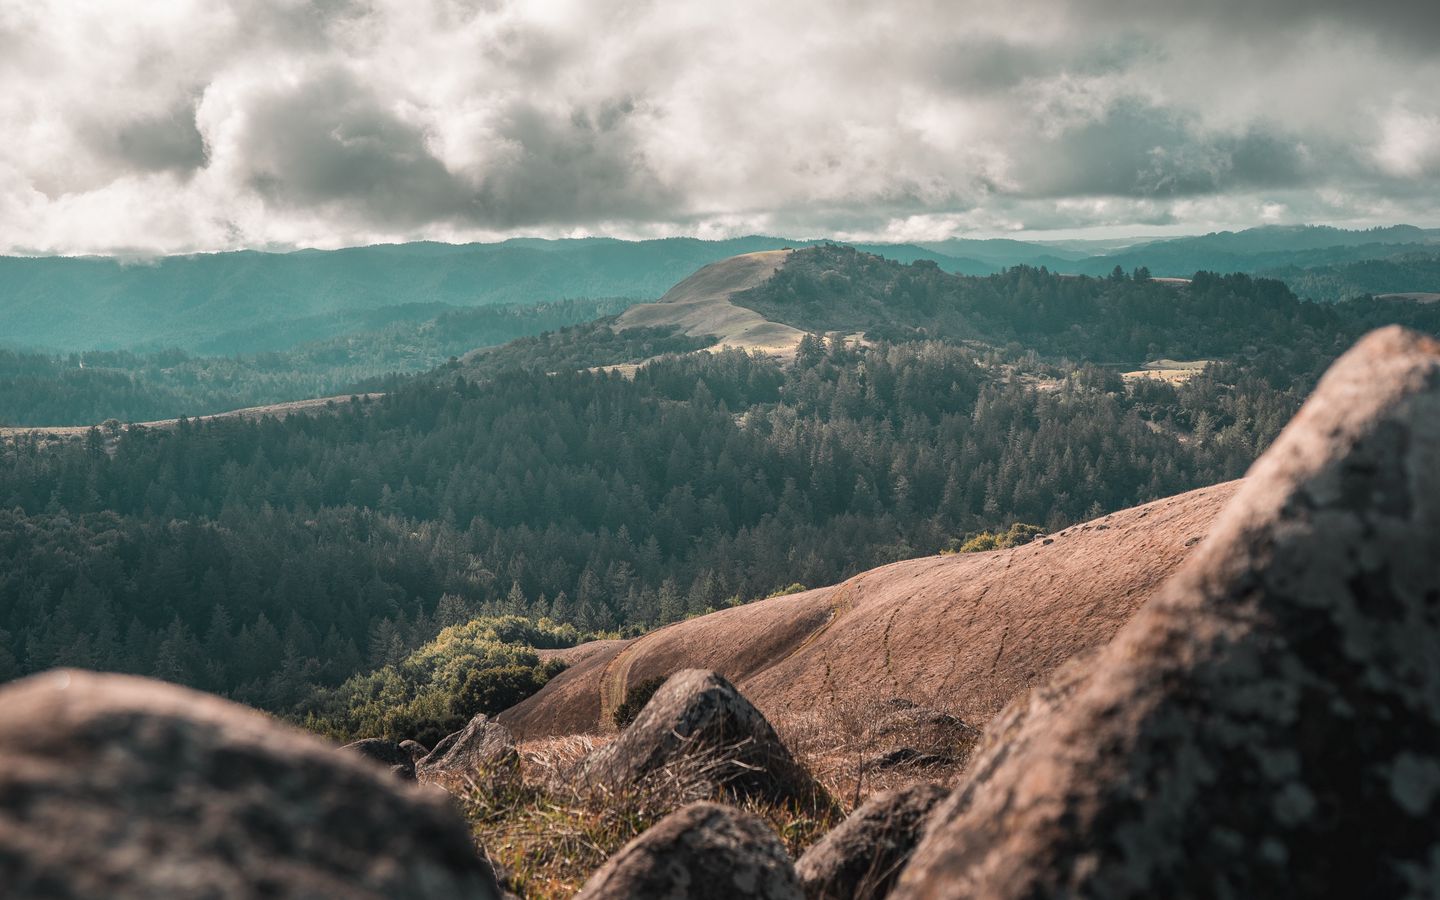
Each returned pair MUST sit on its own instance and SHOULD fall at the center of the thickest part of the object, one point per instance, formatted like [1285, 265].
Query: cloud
[208, 125]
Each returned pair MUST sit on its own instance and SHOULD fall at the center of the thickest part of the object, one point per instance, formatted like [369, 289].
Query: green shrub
[484, 666]
[1018, 533]
[635, 700]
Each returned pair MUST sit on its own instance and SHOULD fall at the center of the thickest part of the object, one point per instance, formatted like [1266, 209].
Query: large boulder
[482, 749]
[121, 787]
[699, 730]
[705, 851]
[861, 858]
[1270, 725]
[393, 757]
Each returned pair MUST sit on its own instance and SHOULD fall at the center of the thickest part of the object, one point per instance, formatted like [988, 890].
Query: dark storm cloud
[570, 167]
[330, 141]
[170, 141]
[974, 64]
[1136, 150]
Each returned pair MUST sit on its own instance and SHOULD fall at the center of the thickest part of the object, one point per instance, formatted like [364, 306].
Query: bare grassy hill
[701, 305]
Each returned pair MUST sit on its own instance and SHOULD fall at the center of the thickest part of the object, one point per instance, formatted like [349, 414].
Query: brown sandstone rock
[121, 787]
[697, 726]
[483, 748]
[861, 858]
[706, 851]
[1269, 726]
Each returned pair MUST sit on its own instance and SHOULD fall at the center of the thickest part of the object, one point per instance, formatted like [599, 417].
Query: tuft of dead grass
[547, 831]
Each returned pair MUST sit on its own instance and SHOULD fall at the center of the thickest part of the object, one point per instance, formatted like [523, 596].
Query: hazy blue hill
[1004, 252]
[251, 301]
[1261, 249]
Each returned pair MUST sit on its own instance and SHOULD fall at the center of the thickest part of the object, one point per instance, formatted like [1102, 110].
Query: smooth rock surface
[706, 851]
[119, 787]
[1269, 726]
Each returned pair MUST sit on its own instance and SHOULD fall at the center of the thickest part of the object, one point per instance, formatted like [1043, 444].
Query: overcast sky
[176, 126]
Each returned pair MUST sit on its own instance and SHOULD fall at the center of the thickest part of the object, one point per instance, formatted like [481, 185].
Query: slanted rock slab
[127, 788]
[483, 748]
[699, 726]
[705, 851]
[861, 858]
[1269, 725]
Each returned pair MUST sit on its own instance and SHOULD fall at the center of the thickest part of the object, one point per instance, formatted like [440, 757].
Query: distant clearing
[1417, 296]
[276, 410]
[1170, 371]
[701, 305]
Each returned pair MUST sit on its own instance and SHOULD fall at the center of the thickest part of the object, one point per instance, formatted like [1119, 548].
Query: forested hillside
[1405, 273]
[257, 559]
[88, 388]
[1124, 318]
[271, 560]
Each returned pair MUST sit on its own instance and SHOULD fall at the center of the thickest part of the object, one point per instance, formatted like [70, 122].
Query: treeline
[261, 559]
[1126, 318]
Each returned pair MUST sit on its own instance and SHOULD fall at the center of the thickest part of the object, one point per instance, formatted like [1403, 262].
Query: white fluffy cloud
[181, 126]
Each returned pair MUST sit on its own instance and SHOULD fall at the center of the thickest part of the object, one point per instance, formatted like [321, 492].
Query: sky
[172, 127]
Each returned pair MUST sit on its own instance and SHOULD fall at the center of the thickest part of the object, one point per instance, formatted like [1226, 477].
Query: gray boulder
[698, 729]
[1269, 726]
[121, 787]
[414, 750]
[861, 858]
[388, 754]
[706, 851]
[482, 749]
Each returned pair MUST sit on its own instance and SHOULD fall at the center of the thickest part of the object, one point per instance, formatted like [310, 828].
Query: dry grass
[548, 831]
[840, 745]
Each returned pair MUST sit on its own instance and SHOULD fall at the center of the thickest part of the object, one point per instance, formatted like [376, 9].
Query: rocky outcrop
[706, 851]
[120, 787]
[1269, 726]
[698, 728]
[861, 858]
[395, 758]
[483, 748]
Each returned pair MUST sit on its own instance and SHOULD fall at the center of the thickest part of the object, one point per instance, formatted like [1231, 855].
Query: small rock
[483, 748]
[699, 726]
[907, 757]
[386, 753]
[705, 851]
[861, 858]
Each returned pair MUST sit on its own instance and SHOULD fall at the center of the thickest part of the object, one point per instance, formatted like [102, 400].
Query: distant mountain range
[250, 301]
